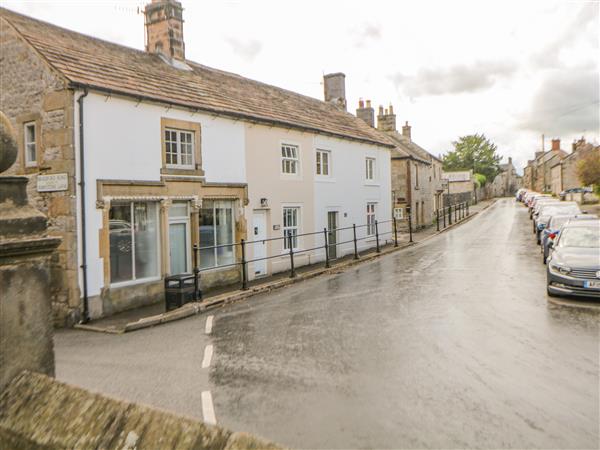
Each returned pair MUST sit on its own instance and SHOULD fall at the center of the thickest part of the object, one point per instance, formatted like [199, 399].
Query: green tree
[476, 152]
[588, 171]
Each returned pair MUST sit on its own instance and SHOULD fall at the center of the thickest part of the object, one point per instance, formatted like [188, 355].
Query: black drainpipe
[86, 314]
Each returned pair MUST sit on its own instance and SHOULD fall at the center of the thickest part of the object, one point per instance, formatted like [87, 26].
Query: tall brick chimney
[406, 130]
[335, 89]
[164, 29]
[386, 120]
[555, 145]
[366, 113]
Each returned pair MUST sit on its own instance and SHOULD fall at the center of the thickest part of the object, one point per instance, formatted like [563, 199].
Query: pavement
[155, 314]
[451, 343]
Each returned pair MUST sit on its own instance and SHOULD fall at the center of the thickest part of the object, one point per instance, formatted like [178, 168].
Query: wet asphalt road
[449, 344]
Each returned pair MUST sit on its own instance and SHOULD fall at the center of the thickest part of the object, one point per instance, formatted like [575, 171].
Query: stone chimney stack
[366, 113]
[555, 145]
[335, 89]
[510, 161]
[406, 130]
[386, 121]
[164, 29]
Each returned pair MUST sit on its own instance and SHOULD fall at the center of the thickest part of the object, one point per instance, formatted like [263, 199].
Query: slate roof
[407, 148]
[109, 67]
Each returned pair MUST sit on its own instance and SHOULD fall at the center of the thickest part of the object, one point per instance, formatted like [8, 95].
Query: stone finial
[8, 143]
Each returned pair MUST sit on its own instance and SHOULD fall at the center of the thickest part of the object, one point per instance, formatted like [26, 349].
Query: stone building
[538, 172]
[507, 181]
[568, 166]
[137, 155]
[416, 173]
[460, 187]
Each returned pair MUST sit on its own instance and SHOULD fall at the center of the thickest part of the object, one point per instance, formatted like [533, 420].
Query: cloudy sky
[513, 70]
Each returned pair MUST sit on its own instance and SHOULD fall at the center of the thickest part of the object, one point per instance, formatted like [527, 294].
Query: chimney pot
[386, 120]
[406, 130]
[366, 114]
[334, 85]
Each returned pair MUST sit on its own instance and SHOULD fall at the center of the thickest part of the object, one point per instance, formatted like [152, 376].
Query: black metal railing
[291, 248]
[459, 211]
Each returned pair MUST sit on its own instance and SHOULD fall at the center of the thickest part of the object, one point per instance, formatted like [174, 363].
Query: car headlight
[564, 270]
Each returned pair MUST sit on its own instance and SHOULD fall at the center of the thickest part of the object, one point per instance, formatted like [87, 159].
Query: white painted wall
[348, 192]
[123, 142]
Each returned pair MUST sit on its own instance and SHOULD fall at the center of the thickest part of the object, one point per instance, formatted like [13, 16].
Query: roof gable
[102, 65]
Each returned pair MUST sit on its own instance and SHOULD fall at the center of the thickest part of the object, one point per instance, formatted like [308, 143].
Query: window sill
[372, 183]
[179, 171]
[320, 179]
[122, 284]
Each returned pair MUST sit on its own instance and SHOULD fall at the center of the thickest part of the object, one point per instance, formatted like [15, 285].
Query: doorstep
[155, 314]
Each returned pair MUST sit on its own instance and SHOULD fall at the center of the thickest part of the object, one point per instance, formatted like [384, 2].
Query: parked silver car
[548, 210]
[574, 262]
[553, 229]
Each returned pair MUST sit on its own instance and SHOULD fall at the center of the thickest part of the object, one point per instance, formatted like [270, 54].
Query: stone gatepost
[25, 252]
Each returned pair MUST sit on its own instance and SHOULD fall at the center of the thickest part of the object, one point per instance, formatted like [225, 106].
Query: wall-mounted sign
[398, 213]
[53, 182]
[276, 227]
[264, 203]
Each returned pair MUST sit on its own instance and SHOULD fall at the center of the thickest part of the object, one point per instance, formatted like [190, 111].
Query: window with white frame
[370, 169]
[323, 162]
[179, 148]
[30, 144]
[371, 218]
[133, 241]
[291, 226]
[289, 159]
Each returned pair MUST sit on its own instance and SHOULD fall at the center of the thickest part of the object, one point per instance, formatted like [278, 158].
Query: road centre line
[208, 411]
[208, 352]
[209, 325]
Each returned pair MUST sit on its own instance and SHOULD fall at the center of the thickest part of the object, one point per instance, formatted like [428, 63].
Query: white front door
[259, 249]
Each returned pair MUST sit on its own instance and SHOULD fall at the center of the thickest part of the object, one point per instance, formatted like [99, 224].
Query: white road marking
[208, 412]
[208, 327]
[208, 352]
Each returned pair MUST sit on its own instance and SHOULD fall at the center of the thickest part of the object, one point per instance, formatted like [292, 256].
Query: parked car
[551, 209]
[574, 261]
[528, 196]
[576, 190]
[520, 194]
[553, 229]
[534, 200]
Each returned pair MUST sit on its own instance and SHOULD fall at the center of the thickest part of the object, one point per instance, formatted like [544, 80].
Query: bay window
[133, 230]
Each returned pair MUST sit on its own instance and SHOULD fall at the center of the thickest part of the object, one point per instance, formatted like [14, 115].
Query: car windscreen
[558, 221]
[562, 210]
[588, 237]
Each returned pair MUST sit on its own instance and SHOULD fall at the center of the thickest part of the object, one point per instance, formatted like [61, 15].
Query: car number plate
[591, 284]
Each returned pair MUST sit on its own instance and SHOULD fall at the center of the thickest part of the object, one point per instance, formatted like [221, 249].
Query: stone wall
[37, 412]
[30, 91]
